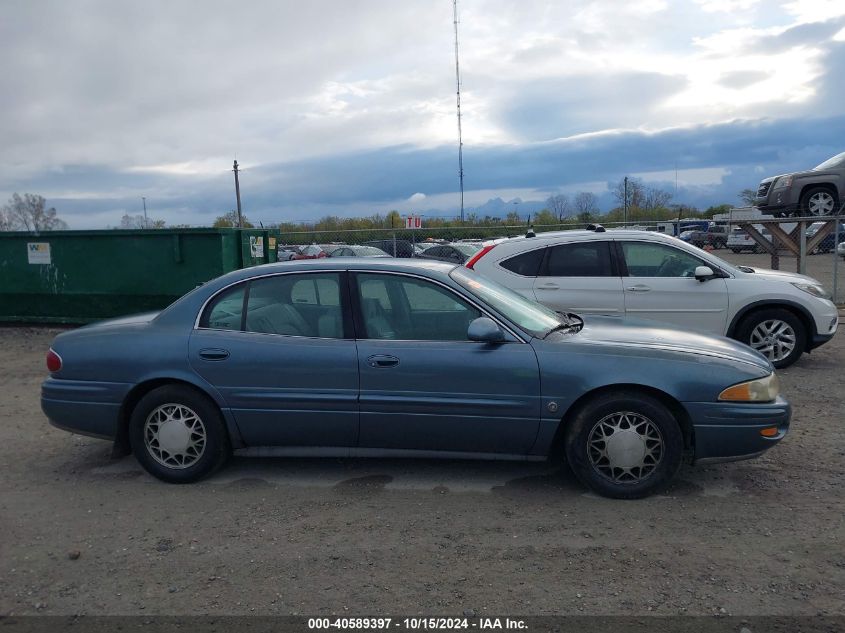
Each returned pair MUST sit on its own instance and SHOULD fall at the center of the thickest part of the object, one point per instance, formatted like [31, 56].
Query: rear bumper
[83, 407]
[726, 431]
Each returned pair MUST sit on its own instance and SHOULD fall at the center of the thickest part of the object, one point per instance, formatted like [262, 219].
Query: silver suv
[817, 191]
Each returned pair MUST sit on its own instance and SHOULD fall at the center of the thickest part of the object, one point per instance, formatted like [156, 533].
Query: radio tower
[458, 83]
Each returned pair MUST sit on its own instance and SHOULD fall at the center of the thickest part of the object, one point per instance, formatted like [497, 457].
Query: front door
[275, 349]
[425, 386]
[661, 285]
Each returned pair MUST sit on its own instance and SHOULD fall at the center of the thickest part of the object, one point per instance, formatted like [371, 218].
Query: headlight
[814, 289]
[760, 390]
[783, 182]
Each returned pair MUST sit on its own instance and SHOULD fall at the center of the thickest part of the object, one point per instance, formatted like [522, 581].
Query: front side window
[658, 260]
[585, 259]
[404, 308]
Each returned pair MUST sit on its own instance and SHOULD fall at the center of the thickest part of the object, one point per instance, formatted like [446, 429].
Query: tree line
[638, 203]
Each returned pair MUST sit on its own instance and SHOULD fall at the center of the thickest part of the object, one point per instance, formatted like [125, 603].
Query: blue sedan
[392, 357]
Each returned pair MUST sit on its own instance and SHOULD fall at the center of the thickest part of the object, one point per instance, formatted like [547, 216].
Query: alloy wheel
[775, 339]
[820, 203]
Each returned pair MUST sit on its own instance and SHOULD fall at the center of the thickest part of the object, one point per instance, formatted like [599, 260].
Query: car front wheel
[624, 445]
[776, 333]
[178, 435]
[817, 201]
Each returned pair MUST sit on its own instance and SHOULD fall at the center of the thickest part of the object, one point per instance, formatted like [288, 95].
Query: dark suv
[818, 191]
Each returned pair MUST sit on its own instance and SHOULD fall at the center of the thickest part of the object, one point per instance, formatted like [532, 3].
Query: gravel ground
[85, 534]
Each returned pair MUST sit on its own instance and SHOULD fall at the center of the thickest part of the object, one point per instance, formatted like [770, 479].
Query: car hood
[640, 333]
[780, 275]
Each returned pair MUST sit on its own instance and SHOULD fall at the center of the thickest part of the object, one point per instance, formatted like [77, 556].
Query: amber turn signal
[770, 431]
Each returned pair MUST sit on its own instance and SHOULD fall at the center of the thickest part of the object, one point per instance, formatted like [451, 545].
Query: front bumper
[728, 431]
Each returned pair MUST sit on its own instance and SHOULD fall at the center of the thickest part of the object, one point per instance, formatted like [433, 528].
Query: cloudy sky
[347, 107]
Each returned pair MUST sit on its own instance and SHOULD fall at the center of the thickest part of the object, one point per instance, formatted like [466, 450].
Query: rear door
[278, 351]
[660, 284]
[580, 277]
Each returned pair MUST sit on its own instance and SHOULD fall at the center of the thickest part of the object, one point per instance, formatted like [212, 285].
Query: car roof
[582, 234]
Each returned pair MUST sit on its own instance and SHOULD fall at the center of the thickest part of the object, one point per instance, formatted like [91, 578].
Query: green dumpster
[83, 276]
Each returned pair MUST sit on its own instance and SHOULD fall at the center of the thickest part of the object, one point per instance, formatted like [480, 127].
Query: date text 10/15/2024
[414, 624]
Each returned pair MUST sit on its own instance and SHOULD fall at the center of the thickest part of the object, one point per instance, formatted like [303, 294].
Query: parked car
[456, 252]
[394, 248]
[817, 191]
[654, 276]
[388, 357]
[310, 251]
[285, 253]
[840, 249]
[356, 250]
[827, 243]
[739, 240]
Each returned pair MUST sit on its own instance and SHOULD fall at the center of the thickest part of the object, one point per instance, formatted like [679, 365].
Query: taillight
[54, 362]
[474, 260]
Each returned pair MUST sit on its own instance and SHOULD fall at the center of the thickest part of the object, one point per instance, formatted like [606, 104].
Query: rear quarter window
[525, 264]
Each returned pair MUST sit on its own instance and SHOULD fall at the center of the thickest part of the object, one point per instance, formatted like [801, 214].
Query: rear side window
[525, 264]
[585, 259]
[226, 310]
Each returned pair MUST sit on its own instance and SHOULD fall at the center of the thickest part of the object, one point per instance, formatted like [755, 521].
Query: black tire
[201, 463]
[818, 201]
[737, 250]
[587, 421]
[747, 326]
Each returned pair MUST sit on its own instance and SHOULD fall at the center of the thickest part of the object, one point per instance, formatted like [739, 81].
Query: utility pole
[625, 203]
[238, 194]
[458, 84]
[146, 222]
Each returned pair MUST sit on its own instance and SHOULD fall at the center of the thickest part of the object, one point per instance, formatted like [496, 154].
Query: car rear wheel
[178, 435]
[777, 334]
[624, 445]
[818, 201]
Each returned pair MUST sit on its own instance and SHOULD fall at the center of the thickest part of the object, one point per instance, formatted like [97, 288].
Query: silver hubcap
[774, 339]
[625, 447]
[820, 204]
[174, 436]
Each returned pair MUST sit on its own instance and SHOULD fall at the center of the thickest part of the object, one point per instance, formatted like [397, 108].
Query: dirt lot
[82, 534]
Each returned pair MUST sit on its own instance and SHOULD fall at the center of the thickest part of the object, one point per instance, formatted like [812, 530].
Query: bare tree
[559, 205]
[655, 198]
[636, 193]
[140, 222]
[28, 213]
[586, 202]
[5, 225]
[747, 197]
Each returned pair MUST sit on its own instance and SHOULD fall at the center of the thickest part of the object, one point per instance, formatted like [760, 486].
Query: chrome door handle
[638, 288]
[548, 287]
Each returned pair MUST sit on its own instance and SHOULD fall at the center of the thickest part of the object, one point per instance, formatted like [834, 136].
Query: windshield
[532, 317]
[836, 161]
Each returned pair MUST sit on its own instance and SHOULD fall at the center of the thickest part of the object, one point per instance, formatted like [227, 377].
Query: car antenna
[598, 228]
[530, 232]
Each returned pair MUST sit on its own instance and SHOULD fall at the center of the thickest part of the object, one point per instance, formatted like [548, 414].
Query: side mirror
[703, 273]
[485, 330]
